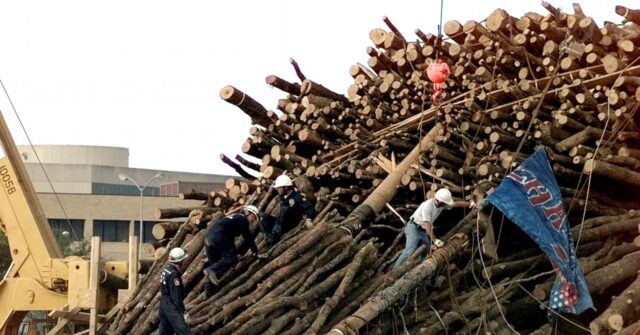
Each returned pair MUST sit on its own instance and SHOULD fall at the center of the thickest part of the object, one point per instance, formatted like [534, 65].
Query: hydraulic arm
[39, 278]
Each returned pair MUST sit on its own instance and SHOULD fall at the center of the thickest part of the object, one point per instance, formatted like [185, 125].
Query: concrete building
[80, 192]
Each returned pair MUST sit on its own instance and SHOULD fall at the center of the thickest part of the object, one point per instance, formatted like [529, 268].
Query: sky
[146, 75]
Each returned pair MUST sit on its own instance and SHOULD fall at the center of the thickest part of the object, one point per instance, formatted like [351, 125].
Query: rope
[64, 212]
[404, 325]
[439, 319]
[554, 312]
[439, 39]
[495, 296]
[595, 154]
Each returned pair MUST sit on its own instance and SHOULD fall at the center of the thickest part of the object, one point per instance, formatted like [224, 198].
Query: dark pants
[221, 256]
[171, 322]
[267, 222]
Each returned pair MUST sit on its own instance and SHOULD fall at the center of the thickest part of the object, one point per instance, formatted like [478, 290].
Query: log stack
[369, 157]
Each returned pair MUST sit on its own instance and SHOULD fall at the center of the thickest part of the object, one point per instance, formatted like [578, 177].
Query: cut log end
[228, 92]
[616, 322]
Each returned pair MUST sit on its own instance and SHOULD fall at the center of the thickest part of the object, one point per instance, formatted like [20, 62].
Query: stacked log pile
[370, 157]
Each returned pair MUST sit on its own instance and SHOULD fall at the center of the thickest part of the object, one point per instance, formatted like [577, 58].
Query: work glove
[261, 255]
[472, 204]
[308, 223]
[438, 243]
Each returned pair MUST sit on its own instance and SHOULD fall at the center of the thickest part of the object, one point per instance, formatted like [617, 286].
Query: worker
[419, 230]
[220, 244]
[293, 208]
[172, 312]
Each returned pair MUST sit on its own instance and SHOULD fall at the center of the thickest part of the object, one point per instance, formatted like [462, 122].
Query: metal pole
[141, 223]
[124, 177]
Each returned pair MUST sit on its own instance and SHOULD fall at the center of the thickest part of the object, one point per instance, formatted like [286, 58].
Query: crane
[40, 279]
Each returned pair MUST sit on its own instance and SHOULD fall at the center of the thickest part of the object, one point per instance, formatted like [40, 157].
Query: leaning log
[623, 309]
[247, 104]
[390, 296]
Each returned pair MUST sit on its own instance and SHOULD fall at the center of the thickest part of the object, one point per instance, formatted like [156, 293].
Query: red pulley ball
[438, 71]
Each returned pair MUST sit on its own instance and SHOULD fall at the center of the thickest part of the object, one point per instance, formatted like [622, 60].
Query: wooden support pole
[94, 277]
[134, 267]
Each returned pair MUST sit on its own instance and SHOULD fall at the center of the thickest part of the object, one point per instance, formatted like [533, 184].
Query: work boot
[212, 277]
[268, 241]
[209, 289]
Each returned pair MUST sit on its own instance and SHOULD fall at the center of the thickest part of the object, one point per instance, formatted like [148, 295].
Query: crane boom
[39, 277]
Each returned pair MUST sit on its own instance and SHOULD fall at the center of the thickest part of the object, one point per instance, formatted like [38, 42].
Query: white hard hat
[282, 181]
[444, 195]
[254, 210]
[177, 255]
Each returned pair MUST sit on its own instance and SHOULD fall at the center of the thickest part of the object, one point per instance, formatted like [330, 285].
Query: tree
[5, 254]
[69, 247]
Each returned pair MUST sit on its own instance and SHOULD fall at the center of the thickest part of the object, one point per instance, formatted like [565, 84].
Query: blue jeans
[415, 236]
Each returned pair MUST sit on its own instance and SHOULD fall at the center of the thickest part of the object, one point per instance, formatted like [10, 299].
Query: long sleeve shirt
[171, 288]
[231, 227]
[293, 207]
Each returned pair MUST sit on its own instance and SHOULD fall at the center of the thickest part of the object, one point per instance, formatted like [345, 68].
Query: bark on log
[623, 308]
[391, 295]
[171, 213]
[254, 109]
[613, 273]
[164, 230]
[611, 171]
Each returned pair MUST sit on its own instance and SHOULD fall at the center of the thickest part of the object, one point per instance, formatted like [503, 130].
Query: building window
[117, 189]
[169, 189]
[75, 227]
[147, 230]
[111, 230]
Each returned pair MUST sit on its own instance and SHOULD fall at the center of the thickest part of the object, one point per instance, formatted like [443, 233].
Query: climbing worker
[220, 244]
[293, 208]
[419, 229]
[172, 312]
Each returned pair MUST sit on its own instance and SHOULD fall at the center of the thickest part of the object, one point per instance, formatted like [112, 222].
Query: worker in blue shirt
[220, 244]
[172, 312]
[293, 208]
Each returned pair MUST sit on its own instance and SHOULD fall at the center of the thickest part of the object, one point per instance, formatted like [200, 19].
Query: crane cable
[73, 231]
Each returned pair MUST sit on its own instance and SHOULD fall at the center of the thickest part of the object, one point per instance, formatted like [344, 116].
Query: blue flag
[530, 197]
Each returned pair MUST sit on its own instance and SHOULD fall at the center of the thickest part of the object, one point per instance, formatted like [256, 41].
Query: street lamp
[124, 177]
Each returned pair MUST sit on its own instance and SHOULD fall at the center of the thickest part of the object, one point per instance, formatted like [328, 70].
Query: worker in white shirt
[419, 229]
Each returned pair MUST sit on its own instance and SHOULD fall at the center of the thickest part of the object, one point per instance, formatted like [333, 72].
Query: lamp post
[124, 177]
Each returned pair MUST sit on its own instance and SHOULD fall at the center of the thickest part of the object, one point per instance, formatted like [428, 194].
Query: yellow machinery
[39, 278]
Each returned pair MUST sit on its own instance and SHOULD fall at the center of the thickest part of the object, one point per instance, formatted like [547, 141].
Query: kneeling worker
[293, 208]
[419, 229]
[220, 243]
[172, 312]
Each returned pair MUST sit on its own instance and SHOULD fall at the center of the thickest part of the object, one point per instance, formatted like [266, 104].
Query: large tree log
[171, 213]
[603, 278]
[393, 294]
[367, 252]
[623, 308]
[254, 109]
[164, 230]
[611, 171]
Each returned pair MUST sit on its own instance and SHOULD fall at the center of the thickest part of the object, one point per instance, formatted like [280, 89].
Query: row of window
[107, 230]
